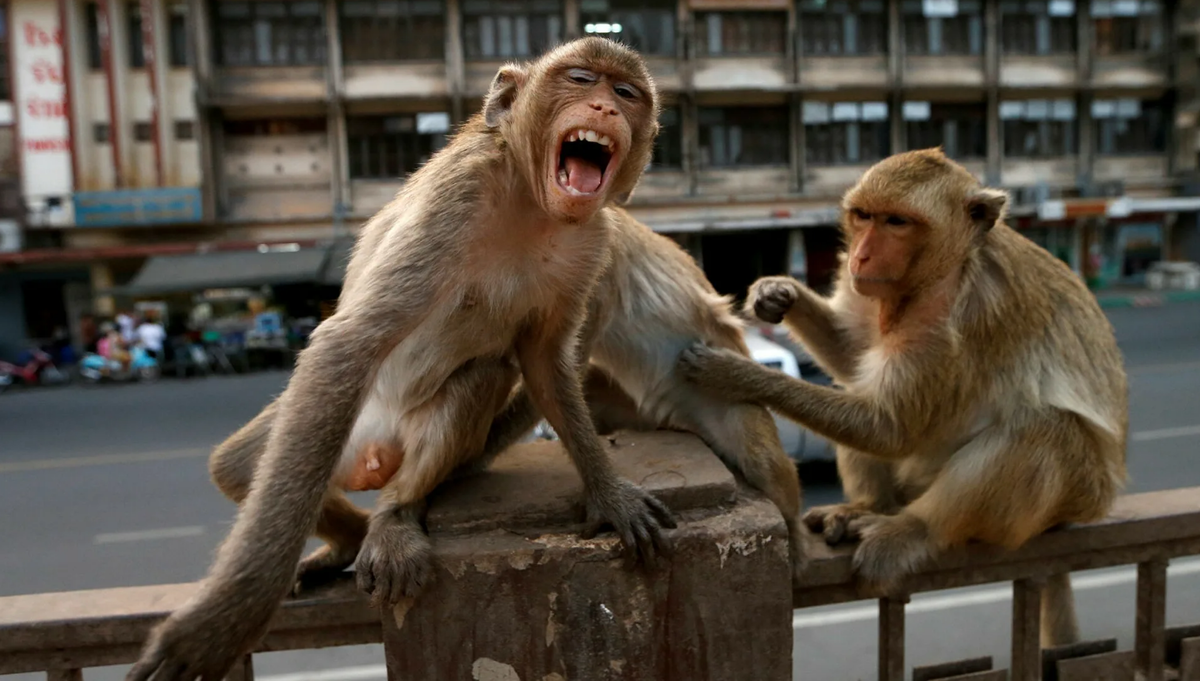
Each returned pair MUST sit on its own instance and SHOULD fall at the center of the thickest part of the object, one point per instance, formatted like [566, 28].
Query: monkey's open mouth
[582, 160]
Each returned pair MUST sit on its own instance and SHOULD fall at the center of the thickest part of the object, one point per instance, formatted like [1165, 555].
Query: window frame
[1043, 118]
[650, 11]
[550, 24]
[408, 150]
[834, 119]
[702, 39]
[407, 36]
[844, 27]
[765, 135]
[283, 33]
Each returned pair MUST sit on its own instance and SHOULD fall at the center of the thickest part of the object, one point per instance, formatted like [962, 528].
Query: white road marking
[1165, 433]
[149, 535]
[102, 460]
[370, 671]
[986, 596]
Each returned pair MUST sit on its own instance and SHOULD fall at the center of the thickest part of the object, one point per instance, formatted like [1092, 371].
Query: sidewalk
[1143, 297]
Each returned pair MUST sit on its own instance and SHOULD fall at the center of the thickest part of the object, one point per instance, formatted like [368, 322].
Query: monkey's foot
[893, 547]
[735, 377]
[771, 297]
[833, 522]
[322, 565]
[396, 560]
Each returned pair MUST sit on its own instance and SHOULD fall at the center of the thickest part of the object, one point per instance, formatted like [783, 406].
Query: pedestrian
[151, 334]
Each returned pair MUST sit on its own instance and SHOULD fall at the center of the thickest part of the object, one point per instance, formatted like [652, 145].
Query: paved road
[106, 487]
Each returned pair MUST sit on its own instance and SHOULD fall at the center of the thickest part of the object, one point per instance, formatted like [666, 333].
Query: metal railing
[62, 633]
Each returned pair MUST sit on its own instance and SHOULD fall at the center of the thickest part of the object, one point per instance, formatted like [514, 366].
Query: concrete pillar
[505, 545]
[102, 279]
[339, 185]
[208, 136]
[455, 61]
[691, 140]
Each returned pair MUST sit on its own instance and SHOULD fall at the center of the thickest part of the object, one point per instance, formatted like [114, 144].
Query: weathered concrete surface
[521, 598]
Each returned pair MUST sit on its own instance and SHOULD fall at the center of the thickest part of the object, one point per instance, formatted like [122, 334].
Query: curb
[1147, 299]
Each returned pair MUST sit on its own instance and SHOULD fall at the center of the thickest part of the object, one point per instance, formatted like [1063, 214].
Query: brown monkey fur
[476, 274]
[984, 395]
[651, 303]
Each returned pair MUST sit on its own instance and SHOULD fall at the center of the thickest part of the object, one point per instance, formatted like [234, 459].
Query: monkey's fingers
[645, 546]
[149, 663]
[174, 671]
[814, 520]
[662, 514]
[593, 528]
[364, 578]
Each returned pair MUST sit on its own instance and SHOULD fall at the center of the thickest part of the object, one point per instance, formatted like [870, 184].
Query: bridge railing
[725, 561]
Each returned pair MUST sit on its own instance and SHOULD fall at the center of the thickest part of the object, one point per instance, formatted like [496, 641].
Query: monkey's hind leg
[1059, 623]
[395, 561]
[869, 484]
[341, 524]
[746, 437]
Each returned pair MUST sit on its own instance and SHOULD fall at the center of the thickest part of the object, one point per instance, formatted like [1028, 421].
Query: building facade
[145, 127]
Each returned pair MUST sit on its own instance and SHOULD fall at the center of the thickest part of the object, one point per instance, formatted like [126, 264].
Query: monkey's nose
[604, 108]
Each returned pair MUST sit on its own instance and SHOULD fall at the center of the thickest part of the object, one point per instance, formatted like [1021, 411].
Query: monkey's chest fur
[458, 366]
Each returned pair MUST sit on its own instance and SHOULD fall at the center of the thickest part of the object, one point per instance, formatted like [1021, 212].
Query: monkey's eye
[625, 90]
[861, 214]
[581, 76]
[897, 221]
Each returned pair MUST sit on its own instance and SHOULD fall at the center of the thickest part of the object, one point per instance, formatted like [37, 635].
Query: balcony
[396, 80]
[1038, 71]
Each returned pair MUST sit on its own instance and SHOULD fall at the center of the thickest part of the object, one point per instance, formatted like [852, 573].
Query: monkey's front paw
[892, 548]
[192, 644]
[637, 517]
[833, 522]
[772, 297]
[396, 561]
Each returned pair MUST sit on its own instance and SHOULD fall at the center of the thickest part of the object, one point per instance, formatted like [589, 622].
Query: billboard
[39, 94]
[133, 207]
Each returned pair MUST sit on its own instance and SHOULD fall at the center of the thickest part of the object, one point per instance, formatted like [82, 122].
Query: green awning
[228, 269]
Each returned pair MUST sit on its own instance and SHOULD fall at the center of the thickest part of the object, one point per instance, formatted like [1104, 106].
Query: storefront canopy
[228, 269]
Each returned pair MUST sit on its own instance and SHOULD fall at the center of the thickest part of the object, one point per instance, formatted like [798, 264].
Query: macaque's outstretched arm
[809, 316]
[256, 565]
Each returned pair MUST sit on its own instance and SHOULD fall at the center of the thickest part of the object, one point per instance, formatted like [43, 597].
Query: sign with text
[40, 94]
[138, 207]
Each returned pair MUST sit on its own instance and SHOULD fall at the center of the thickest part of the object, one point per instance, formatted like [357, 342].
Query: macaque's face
[592, 108]
[882, 247]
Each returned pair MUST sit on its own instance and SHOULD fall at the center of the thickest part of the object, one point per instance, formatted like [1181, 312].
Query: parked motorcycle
[5, 382]
[94, 368]
[38, 369]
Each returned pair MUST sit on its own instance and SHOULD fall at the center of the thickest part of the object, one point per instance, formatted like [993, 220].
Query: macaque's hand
[733, 376]
[637, 517]
[772, 297]
[395, 561]
[198, 643]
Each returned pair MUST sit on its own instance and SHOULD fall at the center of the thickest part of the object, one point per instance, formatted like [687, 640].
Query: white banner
[40, 99]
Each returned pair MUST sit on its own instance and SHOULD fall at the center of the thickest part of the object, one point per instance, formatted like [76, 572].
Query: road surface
[106, 487]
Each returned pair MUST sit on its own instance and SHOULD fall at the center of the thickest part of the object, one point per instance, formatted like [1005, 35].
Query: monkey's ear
[502, 94]
[987, 207]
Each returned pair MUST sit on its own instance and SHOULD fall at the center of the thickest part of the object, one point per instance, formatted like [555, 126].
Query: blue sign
[138, 207]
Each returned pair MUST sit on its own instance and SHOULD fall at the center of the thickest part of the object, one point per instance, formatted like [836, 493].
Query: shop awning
[228, 269]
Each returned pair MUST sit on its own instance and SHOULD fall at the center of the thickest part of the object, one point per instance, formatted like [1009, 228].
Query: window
[390, 147]
[270, 127]
[1037, 26]
[143, 131]
[137, 52]
[933, 27]
[960, 129]
[92, 17]
[177, 35]
[743, 136]
[843, 27]
[501, 29]
[1130, 126]
[1123, 26]
[1038, 128]
[185, 130]
[841, 133]
[668, 146]
[740, 33]
[101, 133]
[270, 33]
[648, 27]
[392, 30]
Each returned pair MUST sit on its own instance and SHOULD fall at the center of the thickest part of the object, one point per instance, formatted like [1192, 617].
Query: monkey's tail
[1059, 623]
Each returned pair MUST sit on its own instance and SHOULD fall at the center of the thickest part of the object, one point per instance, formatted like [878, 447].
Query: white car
[798, 442]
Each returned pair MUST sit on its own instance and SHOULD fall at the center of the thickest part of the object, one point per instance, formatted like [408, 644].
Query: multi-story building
[147, 127]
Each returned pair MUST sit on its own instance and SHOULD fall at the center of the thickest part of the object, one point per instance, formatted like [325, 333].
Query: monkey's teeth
[572, 137]
[563, 178]
[591, 135]
[604, 141]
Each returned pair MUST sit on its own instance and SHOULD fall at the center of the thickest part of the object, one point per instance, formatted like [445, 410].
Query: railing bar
[1026, 630]
[891, 638]
[1150, 642]
[64, 675]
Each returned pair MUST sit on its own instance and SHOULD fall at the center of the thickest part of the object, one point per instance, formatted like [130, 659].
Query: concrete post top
[534, 486]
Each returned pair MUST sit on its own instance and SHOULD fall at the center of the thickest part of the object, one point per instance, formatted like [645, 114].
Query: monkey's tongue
[583, 175]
